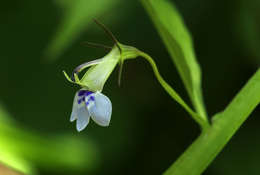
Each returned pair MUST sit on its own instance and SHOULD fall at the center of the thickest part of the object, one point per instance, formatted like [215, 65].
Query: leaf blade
[178, 42]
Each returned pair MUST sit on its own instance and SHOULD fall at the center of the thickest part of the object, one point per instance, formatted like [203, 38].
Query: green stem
[201, 121]
[206, 147]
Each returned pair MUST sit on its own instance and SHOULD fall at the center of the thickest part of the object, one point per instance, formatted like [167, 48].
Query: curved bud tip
[67, 77]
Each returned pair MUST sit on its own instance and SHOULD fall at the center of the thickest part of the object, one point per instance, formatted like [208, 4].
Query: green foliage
[204, 149]
[22, 149]
[212, 140]
[178, 41]
[214, 137]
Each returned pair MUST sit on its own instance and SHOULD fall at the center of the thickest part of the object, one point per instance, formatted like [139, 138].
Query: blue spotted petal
[82, 117]
[101, 110]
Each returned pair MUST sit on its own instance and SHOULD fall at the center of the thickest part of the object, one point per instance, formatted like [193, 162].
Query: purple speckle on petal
[88, 93]
[84, 92]
[81, 92]
[79, 101]
[92, 98]
[87, 103]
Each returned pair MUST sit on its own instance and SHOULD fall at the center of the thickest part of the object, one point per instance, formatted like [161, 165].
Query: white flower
[88, 104]
[89, 101]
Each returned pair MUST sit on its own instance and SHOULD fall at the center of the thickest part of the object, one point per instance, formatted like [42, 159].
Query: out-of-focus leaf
[77, 15]
[16, 163]
[248, 27]
[51, 152]
[7, 156]
[64, 4]
[178, 41]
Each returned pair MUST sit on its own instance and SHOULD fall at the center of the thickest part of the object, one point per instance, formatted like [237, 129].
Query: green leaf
[178, 41]
[7, 156]
[77, 16]
[224, 125]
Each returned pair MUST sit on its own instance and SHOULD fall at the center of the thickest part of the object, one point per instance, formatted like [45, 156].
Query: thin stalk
[204, 124]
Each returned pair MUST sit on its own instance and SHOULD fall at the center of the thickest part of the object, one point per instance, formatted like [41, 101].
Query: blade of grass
[178, 41]
[204, 149]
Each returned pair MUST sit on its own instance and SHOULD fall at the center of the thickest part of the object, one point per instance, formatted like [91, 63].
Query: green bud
[97, 75]
[100, 69]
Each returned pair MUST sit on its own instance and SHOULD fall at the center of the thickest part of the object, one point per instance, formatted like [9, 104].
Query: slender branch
[207, 146]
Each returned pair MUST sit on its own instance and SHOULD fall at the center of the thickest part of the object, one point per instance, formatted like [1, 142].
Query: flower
[91, 104]
[89, 101]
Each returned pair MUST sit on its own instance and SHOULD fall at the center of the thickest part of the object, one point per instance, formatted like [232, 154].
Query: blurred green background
[148, 129]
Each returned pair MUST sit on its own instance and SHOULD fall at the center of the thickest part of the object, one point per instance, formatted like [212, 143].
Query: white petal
[83, 117]
[73, 115]
[101, 111]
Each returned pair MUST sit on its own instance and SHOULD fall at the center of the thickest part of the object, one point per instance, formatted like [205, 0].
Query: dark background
[148, 129]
